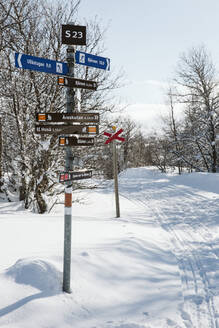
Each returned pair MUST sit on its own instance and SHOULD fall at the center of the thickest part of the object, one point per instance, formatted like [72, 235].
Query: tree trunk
[42, 206]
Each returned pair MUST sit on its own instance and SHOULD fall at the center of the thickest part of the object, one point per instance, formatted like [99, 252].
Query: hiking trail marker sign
[40, 64]
[79, 117]
[76, 83]
[86, 59]
[114, 136]
[66, 129]
[74, 141]
[74, 35]
[74, 175]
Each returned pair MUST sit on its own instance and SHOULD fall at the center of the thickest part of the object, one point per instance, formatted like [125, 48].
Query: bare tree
[196, 76]
[33, 161]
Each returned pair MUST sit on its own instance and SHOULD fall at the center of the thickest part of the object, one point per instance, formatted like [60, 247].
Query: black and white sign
[66, 129]
[74, 35]
[74, 141]
[77, 83]
[71, 176]
[80, 117]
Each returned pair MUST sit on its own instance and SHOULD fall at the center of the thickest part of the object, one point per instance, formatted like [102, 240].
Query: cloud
[149, 116]
[155, 83]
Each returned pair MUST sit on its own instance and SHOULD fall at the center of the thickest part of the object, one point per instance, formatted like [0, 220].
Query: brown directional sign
[72, 175]
[68, 117]
[66, 129]
[76, 83]
[74, 34]
[74, 141]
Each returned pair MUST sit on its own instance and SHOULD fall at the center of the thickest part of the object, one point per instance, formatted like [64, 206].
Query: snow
[156, 266]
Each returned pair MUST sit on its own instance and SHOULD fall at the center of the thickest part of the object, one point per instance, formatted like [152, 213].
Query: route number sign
[74, 35]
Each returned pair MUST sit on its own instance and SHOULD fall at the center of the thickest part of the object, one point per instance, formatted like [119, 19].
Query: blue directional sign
[40, 64]
[86, 59]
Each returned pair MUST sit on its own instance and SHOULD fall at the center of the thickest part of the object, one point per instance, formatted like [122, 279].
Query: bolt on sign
[74, 35]
[66, 129]
[76, 83]
[74, 141]
[72, 175]
[68, 117]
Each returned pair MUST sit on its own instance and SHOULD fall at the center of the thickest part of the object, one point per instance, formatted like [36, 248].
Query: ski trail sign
[40, 64]
[86, 59]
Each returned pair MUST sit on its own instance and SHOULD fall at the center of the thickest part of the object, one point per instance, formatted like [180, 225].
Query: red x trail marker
[114, 136]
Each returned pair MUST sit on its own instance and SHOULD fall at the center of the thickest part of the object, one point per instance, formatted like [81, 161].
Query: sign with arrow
[68, 117]
[86, 59]
[74, 141]
[72, 175]
[77, 83]
[40, 64]
[66, 129]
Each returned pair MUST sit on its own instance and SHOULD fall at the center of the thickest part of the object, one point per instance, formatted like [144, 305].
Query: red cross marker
[114, 136]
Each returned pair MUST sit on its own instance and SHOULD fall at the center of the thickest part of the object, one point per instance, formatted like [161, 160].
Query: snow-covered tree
[33, 27]
[198, 91]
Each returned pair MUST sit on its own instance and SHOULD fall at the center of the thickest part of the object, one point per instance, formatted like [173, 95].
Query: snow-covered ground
[156, 266]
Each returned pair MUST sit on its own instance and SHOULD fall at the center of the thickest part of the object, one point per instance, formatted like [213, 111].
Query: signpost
[66, 129]
[71, 35]
[74, 141]
[40, 64]
[70, 108]
[74, 35]
[74, 175]
[77, 83]
[68, 117]
[112, 138]
[86, 59]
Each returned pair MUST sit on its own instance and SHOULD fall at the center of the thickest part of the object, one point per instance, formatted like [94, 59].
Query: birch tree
[33, 27]
[196, 76]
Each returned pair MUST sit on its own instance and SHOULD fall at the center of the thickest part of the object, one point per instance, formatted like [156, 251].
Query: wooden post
[115, 175]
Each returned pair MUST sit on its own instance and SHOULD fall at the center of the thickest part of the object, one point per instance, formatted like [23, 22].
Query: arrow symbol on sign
[19, 60]
[107, 64]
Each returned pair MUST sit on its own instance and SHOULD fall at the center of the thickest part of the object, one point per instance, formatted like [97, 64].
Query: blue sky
[146, 38]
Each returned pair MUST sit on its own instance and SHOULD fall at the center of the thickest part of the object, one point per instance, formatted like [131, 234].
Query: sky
[146, 38]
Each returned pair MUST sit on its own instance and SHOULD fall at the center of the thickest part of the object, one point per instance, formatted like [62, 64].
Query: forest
[30, 163]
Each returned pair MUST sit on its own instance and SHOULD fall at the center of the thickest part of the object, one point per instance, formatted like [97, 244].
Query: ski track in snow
[187, 233]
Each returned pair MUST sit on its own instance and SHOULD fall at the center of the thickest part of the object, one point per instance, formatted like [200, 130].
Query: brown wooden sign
[66, 129]
[74, 141]
[68, 117]
[76, 83]
[72, 175]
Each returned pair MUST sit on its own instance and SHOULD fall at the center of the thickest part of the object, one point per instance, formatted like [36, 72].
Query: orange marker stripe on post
[68, 200]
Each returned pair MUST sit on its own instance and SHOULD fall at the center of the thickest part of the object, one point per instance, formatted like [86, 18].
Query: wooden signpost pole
[115, 175]
[112, 137]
